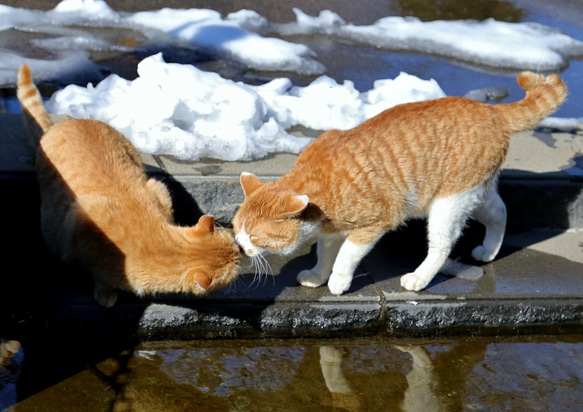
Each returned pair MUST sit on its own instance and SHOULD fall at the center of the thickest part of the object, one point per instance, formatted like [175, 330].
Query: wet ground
[105, 368]
[543, 373]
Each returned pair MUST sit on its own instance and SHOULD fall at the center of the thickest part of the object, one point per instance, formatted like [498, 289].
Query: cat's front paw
[310, 279]
[414, 282]
[339, 284]
[482, 254]
[105, 297]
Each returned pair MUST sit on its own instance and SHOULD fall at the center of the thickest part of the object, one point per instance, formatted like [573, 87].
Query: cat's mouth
[250, 252]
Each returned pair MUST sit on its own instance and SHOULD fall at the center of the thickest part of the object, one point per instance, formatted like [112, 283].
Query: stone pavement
[535, 284]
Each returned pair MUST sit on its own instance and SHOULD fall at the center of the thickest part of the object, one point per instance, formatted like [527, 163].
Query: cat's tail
[36, 116]
[544, 95]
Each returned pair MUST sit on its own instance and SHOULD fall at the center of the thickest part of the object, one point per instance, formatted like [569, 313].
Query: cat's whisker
[251, 267]
[261, 268]
[265, 267]
[258, 263]
[231, 287]
[255, 282]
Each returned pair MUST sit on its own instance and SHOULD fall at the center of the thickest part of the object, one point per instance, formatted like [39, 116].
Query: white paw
[414, 282]
[309, 279]
[330, 354]
[480, 253]
[339, 284]
[105, 297]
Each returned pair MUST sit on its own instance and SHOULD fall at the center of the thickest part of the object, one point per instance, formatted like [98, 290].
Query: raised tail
[36, 116]
[544, 95]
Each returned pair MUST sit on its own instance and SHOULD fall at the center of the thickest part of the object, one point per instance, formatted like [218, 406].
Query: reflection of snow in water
[178, 110]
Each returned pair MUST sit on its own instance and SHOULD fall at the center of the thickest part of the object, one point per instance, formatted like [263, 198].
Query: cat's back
[412, 139]
[88, 165]
[408, 154]
[417, 123]
[83, 150]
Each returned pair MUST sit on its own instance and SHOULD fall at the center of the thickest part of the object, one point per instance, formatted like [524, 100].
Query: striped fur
[437, 159]
[35, 116]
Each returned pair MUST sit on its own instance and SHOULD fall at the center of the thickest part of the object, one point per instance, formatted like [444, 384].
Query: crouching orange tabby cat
[99, 207]
[437, 159]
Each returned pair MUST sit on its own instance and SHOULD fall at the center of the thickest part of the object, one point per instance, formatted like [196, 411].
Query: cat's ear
[296, 204]
[206, 224]
[249, 183]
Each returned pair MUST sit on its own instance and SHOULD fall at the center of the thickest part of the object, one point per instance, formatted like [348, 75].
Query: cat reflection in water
[437, 159]
[99, 207]
[8, 348]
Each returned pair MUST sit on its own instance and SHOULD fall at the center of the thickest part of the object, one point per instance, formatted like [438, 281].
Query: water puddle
[483, 374]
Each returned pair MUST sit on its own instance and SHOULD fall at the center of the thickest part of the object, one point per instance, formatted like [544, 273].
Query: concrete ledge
[487, 317]
[523, 291]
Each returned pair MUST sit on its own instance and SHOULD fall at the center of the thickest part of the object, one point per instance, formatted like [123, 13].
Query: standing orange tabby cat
[99, 207]
[437, 159]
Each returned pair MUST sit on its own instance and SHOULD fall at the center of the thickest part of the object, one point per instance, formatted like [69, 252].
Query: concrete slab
[556, 155]
[567, 244]
[270, 167]
[518, 271]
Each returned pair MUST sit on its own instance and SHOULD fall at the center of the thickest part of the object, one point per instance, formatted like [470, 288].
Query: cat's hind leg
[492, 214]
[446, 219]
[327, 249]
[104, 295]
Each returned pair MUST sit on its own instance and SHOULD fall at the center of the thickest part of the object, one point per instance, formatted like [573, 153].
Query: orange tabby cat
[99, 207]
[437, 159]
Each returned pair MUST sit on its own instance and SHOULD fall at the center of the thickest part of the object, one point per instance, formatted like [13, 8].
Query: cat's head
[214, 259]
[268, 220]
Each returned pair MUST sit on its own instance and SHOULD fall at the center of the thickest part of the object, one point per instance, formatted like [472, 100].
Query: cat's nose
[247, 251]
